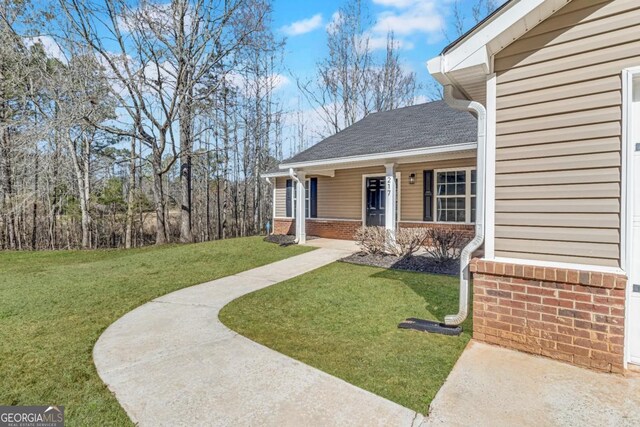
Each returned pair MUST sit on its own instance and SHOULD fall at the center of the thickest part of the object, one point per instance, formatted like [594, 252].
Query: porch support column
[301, 217]
[390, 204]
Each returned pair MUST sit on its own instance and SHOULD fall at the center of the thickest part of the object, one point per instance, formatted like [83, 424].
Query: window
[455, 195]
[473, 195]
[310, 192]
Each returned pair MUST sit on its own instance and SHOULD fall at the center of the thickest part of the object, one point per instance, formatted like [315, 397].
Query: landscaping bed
[420, 263]
[281, 239]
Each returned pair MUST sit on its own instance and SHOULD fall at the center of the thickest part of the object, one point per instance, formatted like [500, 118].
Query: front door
[375, 201]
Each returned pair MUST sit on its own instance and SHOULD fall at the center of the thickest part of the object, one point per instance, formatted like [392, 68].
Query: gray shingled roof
[433, 124]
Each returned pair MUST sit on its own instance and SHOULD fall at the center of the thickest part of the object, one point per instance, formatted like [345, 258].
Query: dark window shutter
[289, 198]
[313, 197]
[428, 195]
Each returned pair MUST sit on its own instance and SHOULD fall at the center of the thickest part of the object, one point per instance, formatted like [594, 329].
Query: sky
[419, 25]
[422, 27]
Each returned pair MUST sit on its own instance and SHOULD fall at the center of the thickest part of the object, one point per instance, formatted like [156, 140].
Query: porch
[436, 190]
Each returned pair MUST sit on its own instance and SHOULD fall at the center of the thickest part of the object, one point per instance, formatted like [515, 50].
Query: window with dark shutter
[313, 198]
[289, 199]
[428, 196]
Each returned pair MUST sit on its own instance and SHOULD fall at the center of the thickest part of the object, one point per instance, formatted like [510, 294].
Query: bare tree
[127, 123]
[393, 87]
[461, 22]
[349, 83]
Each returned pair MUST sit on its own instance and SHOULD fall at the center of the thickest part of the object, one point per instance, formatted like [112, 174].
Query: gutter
[478, 240]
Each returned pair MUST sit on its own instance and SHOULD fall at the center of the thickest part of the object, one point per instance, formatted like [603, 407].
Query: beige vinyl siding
[281, 197]
[559, 112]
[340, 196]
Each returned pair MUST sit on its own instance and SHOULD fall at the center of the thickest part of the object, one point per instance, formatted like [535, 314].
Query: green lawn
[55, 305]
[343, 319]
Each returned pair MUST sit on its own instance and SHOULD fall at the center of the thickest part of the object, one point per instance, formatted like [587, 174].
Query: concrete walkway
[171, 362]
[493, 386]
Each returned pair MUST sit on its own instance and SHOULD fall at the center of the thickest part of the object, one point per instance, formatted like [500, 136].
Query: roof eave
[381, 157]
[275, 174]
[474, 50]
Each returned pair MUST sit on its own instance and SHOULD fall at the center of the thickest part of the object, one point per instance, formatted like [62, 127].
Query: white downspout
[294, 177]
[467, 252]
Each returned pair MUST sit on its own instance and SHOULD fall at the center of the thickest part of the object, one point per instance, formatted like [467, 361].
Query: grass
[55, 305]
[343, 319]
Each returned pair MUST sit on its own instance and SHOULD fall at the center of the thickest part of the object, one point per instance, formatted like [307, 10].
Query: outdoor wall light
[412, 178]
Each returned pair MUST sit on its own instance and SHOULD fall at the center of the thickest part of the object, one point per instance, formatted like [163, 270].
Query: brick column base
[284, 226]
[569, 315]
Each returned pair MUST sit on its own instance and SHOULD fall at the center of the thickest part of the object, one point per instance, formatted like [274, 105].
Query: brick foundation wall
[332, 229]
[345, 230]
[329, 229]
[569, 315]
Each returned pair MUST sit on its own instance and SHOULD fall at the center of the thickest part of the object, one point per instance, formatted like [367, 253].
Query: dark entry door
[375, 201]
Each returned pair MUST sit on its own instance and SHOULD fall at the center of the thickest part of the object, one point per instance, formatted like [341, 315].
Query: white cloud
[336, 20]
[151, 17]
[280, 81]
[395, 3]
[379, 42]
[412, 16]
[276, 81]
[51, 48]
[303, 26]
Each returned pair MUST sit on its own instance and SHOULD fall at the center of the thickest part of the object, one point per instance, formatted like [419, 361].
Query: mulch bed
[280, 239]
[421, 263]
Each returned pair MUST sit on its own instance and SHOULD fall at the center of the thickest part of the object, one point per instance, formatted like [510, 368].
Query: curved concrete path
[171, 362]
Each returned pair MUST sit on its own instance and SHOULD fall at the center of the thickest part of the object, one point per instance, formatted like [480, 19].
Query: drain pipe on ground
[295, 178]
[467, 252]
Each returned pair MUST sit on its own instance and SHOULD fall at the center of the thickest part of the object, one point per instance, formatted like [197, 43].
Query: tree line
[124, 124]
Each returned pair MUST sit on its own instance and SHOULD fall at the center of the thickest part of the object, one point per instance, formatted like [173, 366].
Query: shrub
[445, 245]
[409, 241]
[372, 240]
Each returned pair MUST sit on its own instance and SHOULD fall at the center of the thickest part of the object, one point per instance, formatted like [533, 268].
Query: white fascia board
[435, 67]
[382, 156]
[275, 174]
[469, 52]
[479, 57]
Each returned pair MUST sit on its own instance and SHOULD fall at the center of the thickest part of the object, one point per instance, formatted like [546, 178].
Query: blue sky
[423, 28]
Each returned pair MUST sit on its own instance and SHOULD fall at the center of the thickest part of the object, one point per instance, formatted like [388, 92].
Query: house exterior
[560, 81]
[348, 176]
[555, 88]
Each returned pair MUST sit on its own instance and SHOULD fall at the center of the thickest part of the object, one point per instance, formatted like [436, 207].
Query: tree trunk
[128, 234]
[186, 148]
[7, 188]
[81, 168]
[158, 199]
[34, 225]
